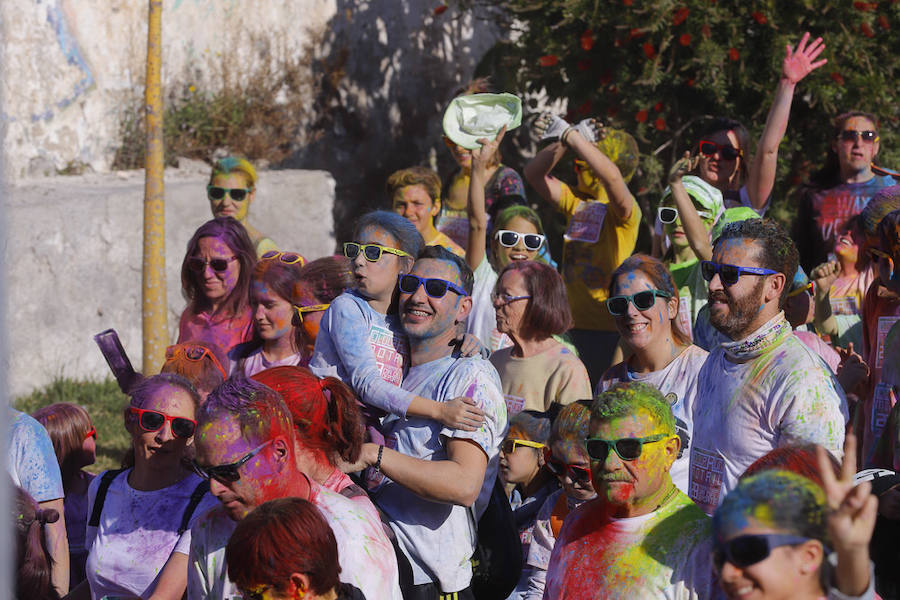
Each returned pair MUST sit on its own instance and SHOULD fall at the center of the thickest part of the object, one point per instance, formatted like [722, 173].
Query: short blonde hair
[423, 176]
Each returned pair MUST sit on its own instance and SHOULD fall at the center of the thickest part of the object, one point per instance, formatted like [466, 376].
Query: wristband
[378, 462]
[562, 137]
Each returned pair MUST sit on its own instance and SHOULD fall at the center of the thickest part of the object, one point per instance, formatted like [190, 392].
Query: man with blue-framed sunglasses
[761, 388]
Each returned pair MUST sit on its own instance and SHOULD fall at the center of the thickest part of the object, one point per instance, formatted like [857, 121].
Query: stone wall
[73, 259]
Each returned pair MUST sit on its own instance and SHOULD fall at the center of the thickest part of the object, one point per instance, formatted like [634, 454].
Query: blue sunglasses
[434, 288]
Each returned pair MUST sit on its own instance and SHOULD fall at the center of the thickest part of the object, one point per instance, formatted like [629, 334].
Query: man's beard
[741, 311]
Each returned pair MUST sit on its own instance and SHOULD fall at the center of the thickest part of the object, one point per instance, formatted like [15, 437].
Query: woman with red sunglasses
[74, 440]
[564, 456]
[138, 532]
[215, 281]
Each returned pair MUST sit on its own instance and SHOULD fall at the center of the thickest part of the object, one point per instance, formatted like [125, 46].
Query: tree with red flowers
[656, 68]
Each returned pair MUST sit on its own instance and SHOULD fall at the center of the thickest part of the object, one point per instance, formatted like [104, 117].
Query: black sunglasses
[152, 420]
[618, 305]
[197, 264]
[728, 152]
[509, 239]
[434, 288]
[729, 274]
[227, 473]
[851, 135]
[578, 474]
[215, 192]
[626, 448]
[746, 550]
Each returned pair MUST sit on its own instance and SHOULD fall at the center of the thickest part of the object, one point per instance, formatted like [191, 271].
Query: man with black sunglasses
[763, 388]
[841, 189]
[641, 537]
[434, 473]
[245, 446]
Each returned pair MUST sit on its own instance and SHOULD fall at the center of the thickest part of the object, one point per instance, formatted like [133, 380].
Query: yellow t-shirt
[596, 243]
[442, 239]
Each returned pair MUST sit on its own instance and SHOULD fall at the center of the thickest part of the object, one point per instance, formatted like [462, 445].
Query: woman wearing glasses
[360, 340]
[138, 532]
[231, 190]
[565, 457]
[215, 280]
[774, 532]
[517, 234]
[644, 303]
[537, 371]
[272, 300]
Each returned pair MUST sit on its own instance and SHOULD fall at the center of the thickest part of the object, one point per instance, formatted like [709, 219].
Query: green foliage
[656, 68]
[104, 402]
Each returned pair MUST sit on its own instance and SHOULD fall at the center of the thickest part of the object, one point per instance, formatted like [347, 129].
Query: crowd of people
[443, 412]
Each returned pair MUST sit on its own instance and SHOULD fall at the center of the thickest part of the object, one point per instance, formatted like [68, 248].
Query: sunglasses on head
[626, 448]
[746, 550]
[219, 265]
[618, 305]
[434, 287]
[509, 445]
[92, 433]
[809, 288]
[728, 152]
[298, 318]
[669, 214]
[851, 135]
[876, 254]
[577, 473]
[227, 473]
[194, 354]
[509, 239]
[153, 420]
[371, 252]
[215, 192]
[288, 258]
[729, 274]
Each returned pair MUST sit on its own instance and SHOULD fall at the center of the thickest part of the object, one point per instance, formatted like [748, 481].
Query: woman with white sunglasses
[517, 234]
[138, 532]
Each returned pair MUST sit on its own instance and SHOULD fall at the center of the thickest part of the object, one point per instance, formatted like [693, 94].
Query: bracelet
[378, 462]
[562, 137]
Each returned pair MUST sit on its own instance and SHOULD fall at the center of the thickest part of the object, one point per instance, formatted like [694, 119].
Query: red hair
[324, 411]
[281, 537]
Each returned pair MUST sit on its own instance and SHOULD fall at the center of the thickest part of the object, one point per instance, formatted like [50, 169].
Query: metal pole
[153, 296]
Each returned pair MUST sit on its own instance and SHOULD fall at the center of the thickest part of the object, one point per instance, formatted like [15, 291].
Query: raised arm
[798, 63]
[694, 229]
[537, 171]
[478, 218]
[621, 202]
[824, 321]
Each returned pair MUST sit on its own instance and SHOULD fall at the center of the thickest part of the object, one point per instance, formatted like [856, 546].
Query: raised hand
[590, 129]
[549, 127]
[683, 166]
[481, 157]
[800, 62]
[851, 508]
[852, 371]
[824, 276]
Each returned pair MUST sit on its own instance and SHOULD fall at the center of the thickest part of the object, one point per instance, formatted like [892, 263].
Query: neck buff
[760, 341]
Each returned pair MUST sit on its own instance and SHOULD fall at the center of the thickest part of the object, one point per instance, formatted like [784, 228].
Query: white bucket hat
[475, 116]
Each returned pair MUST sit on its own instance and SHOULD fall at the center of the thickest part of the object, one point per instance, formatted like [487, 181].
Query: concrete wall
[73, 258]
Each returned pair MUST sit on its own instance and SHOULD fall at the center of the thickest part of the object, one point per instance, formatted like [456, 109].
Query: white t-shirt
[366, 350]
[663, 554]
[482, 321]
[366, 556]
[437, 537]
[780, 393]
[137, 534]
[256, 362]
[31, 461]
[678, 383]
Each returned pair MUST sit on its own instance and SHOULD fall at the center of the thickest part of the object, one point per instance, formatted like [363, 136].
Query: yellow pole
[153, 296]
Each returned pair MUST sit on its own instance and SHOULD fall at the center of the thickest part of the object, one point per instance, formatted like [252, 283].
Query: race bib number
[884, 326]
[846, 305]
[586, 223]
[391, 353]
[684, 316]
[514, 404]
[707, 476]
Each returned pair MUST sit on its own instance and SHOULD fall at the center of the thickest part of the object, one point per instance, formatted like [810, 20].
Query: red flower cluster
[733, 54]
[587, 40]
[440, 9]
[865, 6]
[548, 60]
[866, 30]
[680, 16]
[660, 124]
[658, 107]
[760, 17]
[685, 39]
[837, 78]
[882, 20]
[641, 116]
[649, 50]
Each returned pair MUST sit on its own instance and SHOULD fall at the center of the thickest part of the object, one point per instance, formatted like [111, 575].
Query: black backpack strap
[105, 481]
[199, 491]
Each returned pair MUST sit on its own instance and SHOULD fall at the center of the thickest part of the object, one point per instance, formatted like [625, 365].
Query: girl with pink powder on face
[215, 281]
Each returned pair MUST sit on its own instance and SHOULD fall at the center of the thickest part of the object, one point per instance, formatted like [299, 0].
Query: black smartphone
[117, 359]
